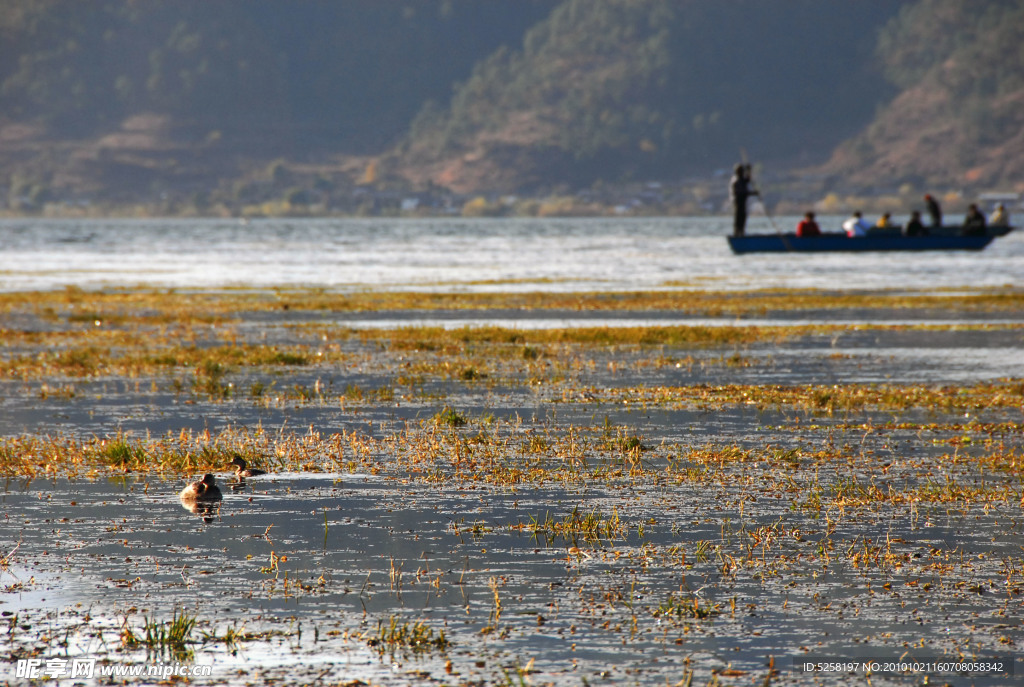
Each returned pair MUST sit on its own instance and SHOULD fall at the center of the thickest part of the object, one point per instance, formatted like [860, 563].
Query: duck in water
[203, 490]
[242, 470]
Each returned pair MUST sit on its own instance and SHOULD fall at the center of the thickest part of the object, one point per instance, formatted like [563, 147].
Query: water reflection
[207, 509]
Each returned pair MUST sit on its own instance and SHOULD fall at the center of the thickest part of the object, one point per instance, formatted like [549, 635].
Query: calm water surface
[310, 563]
[458, 254]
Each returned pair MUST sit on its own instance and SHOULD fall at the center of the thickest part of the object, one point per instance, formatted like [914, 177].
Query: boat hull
[828, 243]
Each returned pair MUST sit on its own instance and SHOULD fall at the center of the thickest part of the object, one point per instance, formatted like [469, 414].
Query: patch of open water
[356, 548]
[710, 574]
[465, 255]
[359, 549]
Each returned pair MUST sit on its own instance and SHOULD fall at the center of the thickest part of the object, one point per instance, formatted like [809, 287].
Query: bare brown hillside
[922, 137]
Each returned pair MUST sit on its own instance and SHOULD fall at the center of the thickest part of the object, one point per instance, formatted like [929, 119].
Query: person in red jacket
[808, 227]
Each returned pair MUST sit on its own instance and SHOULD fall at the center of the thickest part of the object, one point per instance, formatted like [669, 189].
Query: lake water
[888, 534]
[461, 255]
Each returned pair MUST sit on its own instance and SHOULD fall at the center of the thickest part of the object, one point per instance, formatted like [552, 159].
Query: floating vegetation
[686, 606]
[1008, 393]
[449, 341]
[151, 353]
[232, 637]
[577, 527]
[449, 417]
[181, 452]
[171, 638]
[595, 498]
[398, 637]
[119, 453]
[156, 306]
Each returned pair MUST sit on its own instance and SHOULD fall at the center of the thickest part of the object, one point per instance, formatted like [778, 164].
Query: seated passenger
[1000, 218]
[884, 222]
[915, 227]
[856, 226]
[808, 227]
[974, 222]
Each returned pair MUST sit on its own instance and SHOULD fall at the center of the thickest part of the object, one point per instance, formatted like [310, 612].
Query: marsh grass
[835, 460]
[121, 454]
[209, 379]
[232, 637]
[182, 453]
[196, 339]
[576, 527]
[682, 606]
[764, 550]
[161, 306]
[397, 637]
[452, 445]
[5, 559]
[524, 344]
[167, 638]
[828, 400]
[151, 354]
[449, 417]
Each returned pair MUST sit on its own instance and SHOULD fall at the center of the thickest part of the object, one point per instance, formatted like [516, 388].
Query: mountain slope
[350, 74]
[959, 120]
[237, 105]
[609, 89]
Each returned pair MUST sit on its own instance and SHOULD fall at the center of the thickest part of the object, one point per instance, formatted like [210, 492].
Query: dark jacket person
[914, 226]
[739, 191]
[934, 211]
[974, 222]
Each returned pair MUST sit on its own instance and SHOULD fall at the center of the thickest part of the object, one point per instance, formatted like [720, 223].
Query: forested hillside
[349, 75]
[309, 106]
[610, 88]
[959, 117]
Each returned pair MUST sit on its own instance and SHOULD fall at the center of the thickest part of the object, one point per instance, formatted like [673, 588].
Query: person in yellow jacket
[999, 218]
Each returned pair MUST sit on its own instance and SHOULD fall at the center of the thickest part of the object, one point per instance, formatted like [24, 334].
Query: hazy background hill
[308, 106]
[958, 119]
[603, 89]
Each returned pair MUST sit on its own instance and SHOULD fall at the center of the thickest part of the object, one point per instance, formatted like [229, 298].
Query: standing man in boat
[740, 189]
[934, 211]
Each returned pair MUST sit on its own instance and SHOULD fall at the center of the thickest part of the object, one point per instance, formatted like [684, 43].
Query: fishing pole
[757, 192]
[760, 201]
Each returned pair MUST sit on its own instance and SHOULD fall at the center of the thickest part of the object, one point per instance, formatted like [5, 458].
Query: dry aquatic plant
[147, 356]
[591, 528]
[172, 638]
[183, 452]
[686, 606]
[1007, 393]
[231, 638]
[397, 637]
[157, 305]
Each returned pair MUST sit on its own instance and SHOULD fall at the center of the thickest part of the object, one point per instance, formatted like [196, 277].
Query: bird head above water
[242, 469]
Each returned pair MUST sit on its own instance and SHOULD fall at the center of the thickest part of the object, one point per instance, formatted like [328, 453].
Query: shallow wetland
[642, 489]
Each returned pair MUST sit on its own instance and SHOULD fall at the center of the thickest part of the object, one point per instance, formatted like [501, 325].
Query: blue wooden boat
[826, 243]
